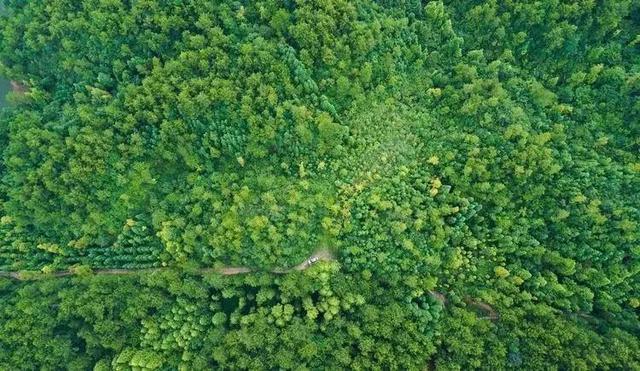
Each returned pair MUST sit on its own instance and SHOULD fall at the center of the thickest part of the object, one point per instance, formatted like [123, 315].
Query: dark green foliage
[473, 166]
[317, 319]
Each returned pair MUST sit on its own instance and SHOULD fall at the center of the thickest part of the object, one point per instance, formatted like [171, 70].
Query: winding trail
[317, 256]
[489, 313]
[18, 87]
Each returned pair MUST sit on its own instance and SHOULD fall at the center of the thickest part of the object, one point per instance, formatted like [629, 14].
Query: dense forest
[472, 169]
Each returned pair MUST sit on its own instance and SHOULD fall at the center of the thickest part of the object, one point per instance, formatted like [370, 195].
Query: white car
[312, 260]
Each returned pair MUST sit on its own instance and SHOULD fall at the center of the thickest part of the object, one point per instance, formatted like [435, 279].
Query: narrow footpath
[317, 256]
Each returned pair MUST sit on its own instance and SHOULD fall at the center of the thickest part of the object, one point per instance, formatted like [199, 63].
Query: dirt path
[317, 256]
[490, 313]
[18, 87]
[230, 271]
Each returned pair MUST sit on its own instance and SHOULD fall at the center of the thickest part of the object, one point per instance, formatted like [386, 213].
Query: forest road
[323, 254]
[318, 255]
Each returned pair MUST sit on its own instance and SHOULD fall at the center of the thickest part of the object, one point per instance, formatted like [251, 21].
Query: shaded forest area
[473, 166]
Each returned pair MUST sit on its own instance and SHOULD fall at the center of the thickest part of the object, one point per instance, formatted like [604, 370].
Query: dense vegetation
[474, 166]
